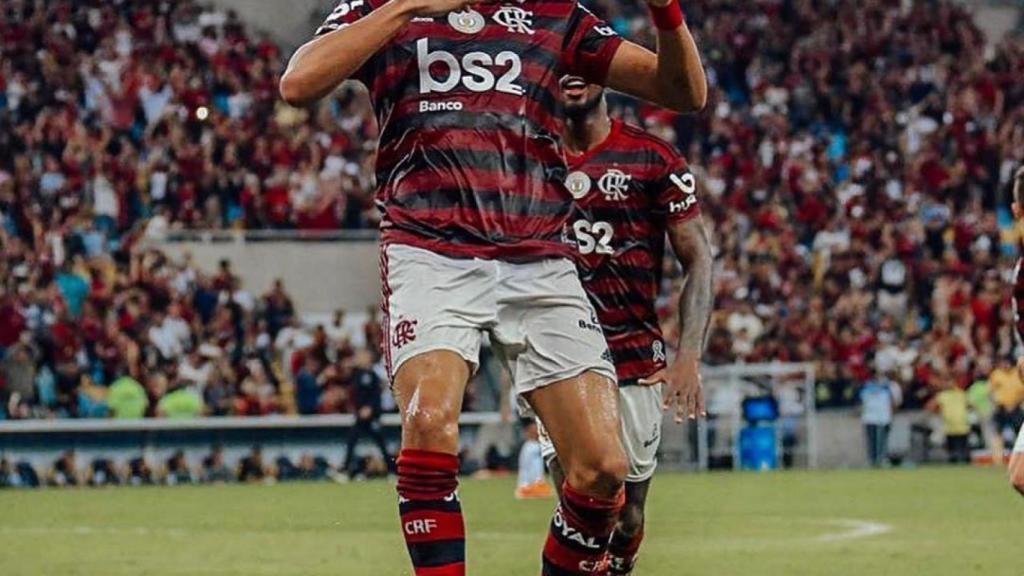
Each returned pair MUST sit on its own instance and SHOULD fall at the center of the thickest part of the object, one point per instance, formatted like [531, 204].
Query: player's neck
[585, 134]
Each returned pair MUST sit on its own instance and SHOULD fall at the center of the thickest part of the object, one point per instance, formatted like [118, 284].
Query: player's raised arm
[674, 76]
[350, 36]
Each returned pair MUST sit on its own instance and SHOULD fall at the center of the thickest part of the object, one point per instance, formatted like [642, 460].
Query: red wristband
[668, 17]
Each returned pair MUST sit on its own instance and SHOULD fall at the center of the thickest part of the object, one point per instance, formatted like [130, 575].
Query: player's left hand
[684, 387]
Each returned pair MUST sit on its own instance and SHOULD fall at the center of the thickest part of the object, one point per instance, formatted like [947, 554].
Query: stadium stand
[855, 161]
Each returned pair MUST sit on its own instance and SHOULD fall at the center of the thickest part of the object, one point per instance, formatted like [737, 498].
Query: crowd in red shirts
[855, 160]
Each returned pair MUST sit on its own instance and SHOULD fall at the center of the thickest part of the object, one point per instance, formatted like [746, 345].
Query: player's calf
[429, 391]
[431, 513]
[626, 539]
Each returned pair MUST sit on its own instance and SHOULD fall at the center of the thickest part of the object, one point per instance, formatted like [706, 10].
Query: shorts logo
[404, 333]
[614, 185]
[515, 19]
[654, 437]
[578, 184]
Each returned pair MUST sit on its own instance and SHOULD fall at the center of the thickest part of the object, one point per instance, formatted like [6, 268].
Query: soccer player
[471, 175]
[631, 189]
[1017, 456]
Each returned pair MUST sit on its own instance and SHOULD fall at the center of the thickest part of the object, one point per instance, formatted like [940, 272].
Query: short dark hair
[1018, 186]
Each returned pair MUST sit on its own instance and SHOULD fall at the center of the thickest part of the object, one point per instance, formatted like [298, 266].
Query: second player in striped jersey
[631, 190]
[1017, 457]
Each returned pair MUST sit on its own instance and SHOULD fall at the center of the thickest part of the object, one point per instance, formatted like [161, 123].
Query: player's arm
[347, 41]
[677, 199]
[674, 76]
[692, 245]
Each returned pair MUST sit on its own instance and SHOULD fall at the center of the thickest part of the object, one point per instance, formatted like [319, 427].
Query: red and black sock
[622, 553]
[428, 503]
[580, 531]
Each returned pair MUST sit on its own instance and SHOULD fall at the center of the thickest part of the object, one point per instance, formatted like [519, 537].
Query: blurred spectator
[252, 468]
[215, 470]
[951, 404]
[177, 470]
[368, 409]
[1008, 392]
[879, 397]
[140, 473]
[65, 471]
[180, 402]
[127, 398]
[102, 472]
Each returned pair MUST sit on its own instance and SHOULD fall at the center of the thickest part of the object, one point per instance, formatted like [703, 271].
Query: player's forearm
[692, 245]
[320, 65]
[695, 306]
[673, 77]
[680, 79]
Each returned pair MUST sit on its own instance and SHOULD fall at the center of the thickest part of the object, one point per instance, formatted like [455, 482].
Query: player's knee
[430, 429]
[631, 521]
[604, 474]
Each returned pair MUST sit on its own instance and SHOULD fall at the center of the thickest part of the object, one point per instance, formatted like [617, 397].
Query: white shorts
[540, 323]
[1018, 448]
[641, 416]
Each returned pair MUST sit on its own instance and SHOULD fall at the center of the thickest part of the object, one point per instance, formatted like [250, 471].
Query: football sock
[578, 541]
[431, 514]
[622, 553]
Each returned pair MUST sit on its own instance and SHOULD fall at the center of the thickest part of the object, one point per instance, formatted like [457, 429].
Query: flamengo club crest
[515, 19]
[578, 184]
[468, 21]
[614, 185]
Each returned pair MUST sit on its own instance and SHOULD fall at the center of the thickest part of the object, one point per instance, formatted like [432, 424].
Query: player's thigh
[581, 418]
[641, 416]
[429, 389]
[435, 309]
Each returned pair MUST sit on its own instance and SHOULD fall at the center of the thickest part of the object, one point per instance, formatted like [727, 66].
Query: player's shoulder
[657, 149]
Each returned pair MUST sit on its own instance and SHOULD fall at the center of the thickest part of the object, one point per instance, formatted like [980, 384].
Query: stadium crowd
[855, 159]
[70, 470]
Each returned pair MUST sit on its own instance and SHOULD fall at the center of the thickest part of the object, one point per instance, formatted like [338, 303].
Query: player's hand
[431, 8]
[685, 390]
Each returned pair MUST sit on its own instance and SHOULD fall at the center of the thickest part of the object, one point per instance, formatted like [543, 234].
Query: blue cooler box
[759, 449]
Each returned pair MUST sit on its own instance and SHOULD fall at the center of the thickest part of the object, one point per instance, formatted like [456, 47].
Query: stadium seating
[855, 159]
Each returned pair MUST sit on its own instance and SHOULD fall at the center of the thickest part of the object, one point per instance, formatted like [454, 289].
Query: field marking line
[854, 530]
[847, 529]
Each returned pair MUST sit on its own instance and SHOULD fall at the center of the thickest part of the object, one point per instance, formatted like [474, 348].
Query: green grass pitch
[930, 522]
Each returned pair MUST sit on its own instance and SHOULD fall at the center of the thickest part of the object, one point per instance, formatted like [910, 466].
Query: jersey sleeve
[590, 46]
[347, 12]
[676, 191]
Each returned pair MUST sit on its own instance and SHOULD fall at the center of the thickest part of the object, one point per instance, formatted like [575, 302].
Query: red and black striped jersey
[628, 190]
[471, 162]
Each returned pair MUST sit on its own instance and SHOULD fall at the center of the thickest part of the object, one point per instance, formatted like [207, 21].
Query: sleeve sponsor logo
[688, 184]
